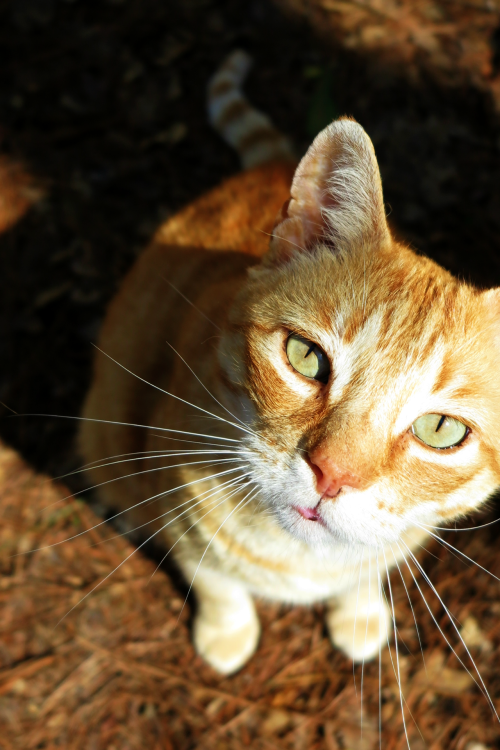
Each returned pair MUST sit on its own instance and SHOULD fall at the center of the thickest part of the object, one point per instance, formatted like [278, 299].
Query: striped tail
[249, 131]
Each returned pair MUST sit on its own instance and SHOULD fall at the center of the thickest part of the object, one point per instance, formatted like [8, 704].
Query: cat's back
[236, 216]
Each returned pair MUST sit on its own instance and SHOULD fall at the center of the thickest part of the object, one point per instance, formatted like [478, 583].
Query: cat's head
[369, 375]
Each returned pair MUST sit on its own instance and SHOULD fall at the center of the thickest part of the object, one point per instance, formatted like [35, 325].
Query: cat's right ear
[336, 197]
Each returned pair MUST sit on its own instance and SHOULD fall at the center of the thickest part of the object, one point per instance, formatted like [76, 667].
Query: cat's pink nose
[330, 477]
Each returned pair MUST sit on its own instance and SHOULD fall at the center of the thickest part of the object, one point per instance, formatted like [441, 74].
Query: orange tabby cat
[292, 416]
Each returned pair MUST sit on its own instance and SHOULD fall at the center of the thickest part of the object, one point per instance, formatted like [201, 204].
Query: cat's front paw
[359, 632]
[225, 648]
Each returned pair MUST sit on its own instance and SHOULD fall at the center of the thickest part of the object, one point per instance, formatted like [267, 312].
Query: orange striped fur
[403, 338]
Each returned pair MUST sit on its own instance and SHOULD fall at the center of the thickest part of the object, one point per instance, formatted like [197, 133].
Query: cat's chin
[308, 526]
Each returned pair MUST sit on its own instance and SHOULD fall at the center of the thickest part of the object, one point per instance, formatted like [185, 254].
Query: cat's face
[392, 422]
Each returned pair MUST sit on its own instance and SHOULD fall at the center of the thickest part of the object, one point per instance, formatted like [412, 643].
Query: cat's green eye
[307, 358]
[439, 431]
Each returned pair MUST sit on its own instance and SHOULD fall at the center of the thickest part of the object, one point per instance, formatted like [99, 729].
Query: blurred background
[103, 136]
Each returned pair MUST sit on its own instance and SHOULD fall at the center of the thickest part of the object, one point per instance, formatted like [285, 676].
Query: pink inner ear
[310, 188]
[300, 222]
[288, 234]
[336, 194]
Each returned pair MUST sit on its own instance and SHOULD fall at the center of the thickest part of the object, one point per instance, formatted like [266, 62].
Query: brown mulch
[95, 649]
[102, 136]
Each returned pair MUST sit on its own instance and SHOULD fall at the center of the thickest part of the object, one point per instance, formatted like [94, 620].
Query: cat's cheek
[468, 497]
[352, 519]
[464, 455]
[284, 480]
[241, 407]
[379, 516]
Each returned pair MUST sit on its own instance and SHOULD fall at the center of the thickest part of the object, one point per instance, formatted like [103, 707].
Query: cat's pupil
[440, 423]
[307, 358]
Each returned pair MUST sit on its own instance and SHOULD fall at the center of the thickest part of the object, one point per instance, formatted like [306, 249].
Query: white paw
[226, 649]
[360, 635]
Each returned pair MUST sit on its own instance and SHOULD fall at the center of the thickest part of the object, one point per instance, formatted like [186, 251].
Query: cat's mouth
[313, 525]
[310, 514]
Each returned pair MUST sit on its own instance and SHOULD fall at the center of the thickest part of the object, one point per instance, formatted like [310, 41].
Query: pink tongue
[308, 513]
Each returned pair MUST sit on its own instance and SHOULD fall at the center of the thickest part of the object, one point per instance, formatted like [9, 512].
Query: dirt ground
[103, 135]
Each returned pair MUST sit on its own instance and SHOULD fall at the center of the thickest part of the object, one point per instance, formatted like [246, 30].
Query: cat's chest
[274, 565]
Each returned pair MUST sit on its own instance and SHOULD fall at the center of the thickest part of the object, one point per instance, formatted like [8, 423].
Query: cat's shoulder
[238, 215]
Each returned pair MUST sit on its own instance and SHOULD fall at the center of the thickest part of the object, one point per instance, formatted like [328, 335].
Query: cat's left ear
[336, 196]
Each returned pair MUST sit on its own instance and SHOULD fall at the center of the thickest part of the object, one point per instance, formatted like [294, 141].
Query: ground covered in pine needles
[93, 660]
[103, 136]
[90, 660]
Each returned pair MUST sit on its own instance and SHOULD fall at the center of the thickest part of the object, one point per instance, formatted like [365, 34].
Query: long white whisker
[462, 554]
[249, 496]
[207, 390]
[115, 569]
[396, 648]
[469, 528]
[109, 575]
[190, 303]
[355, 619]
[413, 613]
[205, 443]
[482, 686]
[121, 512]
[189, 510]
[393, 664]
[155, 455]
[210, 462]
[224, 499]
[285, 239]
[366, 635]
[91, 464]
[177, 398]
[134, 424]
[203, 495]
